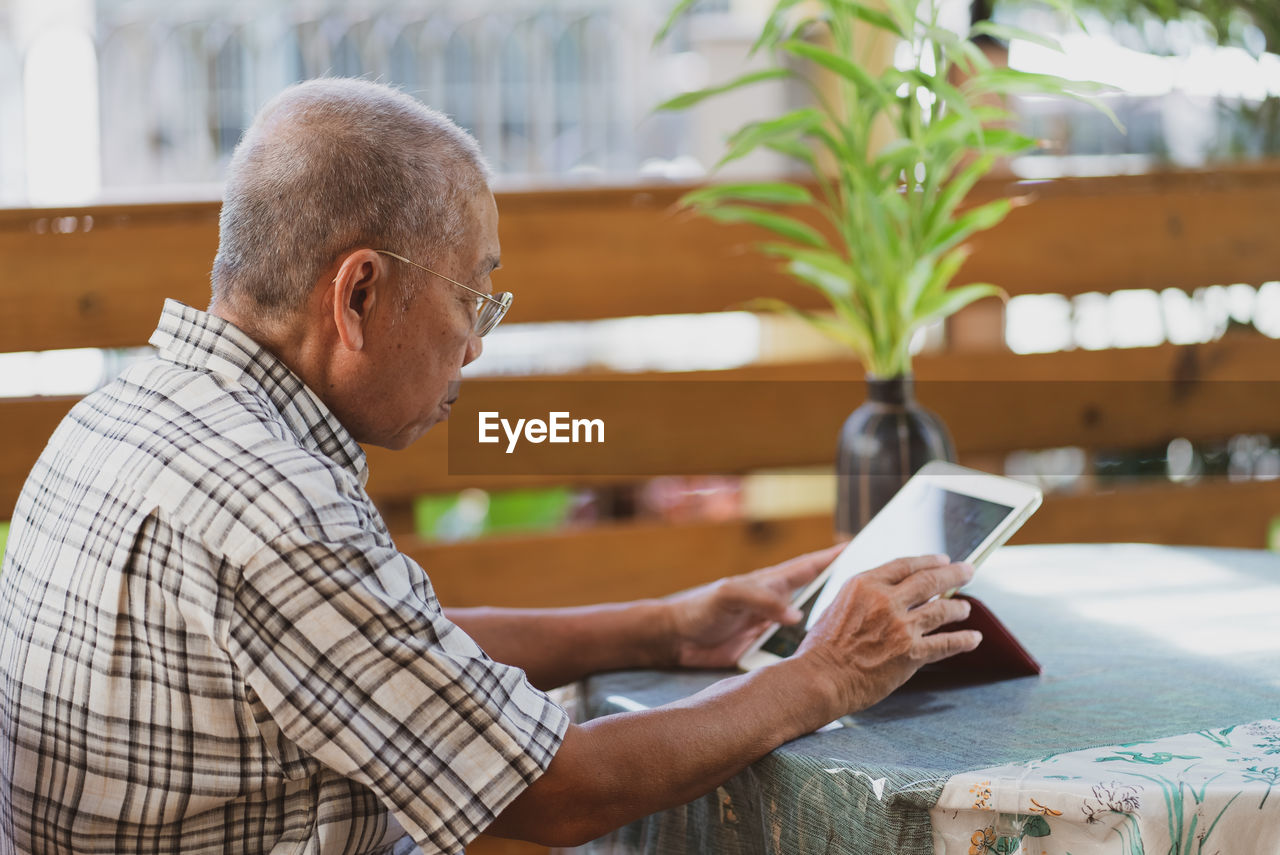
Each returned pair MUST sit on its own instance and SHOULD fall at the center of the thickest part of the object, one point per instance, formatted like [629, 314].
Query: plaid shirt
[211, 644]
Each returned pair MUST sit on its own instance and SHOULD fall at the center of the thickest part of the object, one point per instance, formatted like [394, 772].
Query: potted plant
[890, 155]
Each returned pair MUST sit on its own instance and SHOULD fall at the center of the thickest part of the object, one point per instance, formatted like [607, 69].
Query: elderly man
[210, 641]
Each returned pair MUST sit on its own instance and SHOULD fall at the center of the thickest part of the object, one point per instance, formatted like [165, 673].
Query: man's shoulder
[205, 450]
[170, 411]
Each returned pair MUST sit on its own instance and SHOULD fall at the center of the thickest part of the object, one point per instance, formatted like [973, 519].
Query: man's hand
[615, 769]
[713, 625]
[878, 631]
[870, 640]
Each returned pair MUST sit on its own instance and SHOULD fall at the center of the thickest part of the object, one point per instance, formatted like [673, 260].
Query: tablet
[943, 508]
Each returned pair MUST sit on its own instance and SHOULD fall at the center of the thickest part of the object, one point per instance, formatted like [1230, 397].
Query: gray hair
[332, 165]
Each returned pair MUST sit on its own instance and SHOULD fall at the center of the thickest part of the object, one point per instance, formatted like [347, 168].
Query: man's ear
[359, 288]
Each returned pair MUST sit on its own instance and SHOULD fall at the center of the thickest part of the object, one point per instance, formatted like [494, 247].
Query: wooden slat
[789, 415]
[608, 562]
[581, 254]
[28, 424]
[779, 416]
[485, 845]
[623, 562]
[1179, 229]
[1214, 513]
[104, 286]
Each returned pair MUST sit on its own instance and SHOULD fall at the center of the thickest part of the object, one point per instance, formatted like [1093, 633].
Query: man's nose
[475, 346]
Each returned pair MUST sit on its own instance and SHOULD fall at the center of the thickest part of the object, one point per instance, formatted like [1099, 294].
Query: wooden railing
[97, 276]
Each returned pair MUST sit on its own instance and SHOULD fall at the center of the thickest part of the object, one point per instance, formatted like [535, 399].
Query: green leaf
[803, 152]
[1037, 826]
[828, 261]
[827, 271]
[763, 193]
[952, 127]
[839, 150]
[874, 17]
[787, 227]
[688, 99]
[1005, 141]
[877, 243]
[944, 37]
[948, 302]
[895, 205]
[800, 151]
[1007, 33]
[979, 219]
[846, 68]
[1012, 81]
[1100, 106]
[915, 284]
[676, 13]
[1007, 845]
[976, 59]
[854, 336]
[857, 326]
[835, 288]
[953, 98]
[904, 12]
[775, 26]
[955, 191]
[933, 277]
[829, 204]
[755, 134]
[896, 156]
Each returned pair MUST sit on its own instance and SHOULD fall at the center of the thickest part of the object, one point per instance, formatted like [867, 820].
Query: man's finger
[763, 601]
[804, 568]
[934, 648]
[930, 582]
[896, 571]
[940, 613]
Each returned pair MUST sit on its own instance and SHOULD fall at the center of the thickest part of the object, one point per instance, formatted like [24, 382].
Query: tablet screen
[922, 519]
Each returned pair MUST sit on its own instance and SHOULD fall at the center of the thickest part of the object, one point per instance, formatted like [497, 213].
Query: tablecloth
[1140, 644]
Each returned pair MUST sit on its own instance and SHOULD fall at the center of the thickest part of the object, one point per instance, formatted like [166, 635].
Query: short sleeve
[348, 650]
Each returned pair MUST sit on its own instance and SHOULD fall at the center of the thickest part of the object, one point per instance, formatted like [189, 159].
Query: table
[1152, 729]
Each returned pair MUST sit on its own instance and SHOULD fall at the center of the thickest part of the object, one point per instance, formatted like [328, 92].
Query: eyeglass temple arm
[480, 294]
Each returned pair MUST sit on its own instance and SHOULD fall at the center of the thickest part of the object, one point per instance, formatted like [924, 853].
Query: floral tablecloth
[1204, 792]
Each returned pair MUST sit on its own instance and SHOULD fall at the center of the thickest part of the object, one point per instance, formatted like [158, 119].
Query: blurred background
[138, 101]
[108, 100]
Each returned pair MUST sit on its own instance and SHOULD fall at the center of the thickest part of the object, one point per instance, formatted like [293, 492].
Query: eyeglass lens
[490, 311]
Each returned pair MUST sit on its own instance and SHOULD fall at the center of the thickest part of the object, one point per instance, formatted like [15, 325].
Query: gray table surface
[1136, 642]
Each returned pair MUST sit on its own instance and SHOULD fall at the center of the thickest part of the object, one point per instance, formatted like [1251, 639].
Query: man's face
[425, 348]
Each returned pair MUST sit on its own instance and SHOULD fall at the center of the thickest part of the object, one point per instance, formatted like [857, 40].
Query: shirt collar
[202, 341]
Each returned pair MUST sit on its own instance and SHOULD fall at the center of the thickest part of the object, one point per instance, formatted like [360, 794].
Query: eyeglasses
[489, 309]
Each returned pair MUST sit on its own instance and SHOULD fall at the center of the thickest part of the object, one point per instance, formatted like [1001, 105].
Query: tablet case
[999, 657]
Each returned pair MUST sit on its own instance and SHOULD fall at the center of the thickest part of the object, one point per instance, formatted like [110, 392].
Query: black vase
[882, 444]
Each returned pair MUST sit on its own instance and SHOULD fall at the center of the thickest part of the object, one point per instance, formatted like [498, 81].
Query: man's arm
[559, 646]
[706, 627]
[619, 768]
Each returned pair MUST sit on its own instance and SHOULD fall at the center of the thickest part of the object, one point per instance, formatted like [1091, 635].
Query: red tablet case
[998, 657]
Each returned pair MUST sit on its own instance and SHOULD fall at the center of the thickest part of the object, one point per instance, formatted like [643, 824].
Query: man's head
[330, 165]
[330, 172]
